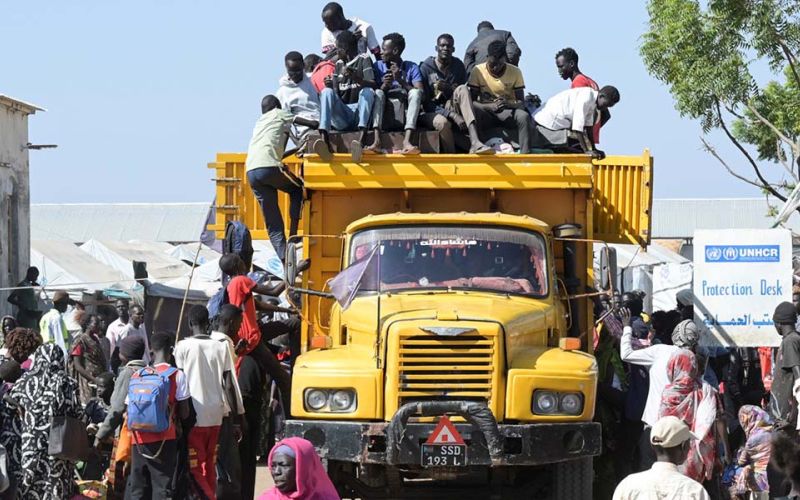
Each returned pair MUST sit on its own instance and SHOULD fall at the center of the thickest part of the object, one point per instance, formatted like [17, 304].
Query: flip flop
[356, 151]
[321, 149]
[483, 150]
[412, 151]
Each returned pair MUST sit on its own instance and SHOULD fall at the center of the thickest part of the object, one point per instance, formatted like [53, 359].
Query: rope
[65, 285]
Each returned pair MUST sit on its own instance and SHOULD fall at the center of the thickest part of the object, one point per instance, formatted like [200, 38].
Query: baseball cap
[685, 297]
[669, 432]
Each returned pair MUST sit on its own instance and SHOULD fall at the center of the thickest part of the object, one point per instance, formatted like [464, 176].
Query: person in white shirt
[671, 439]
[52, 325]
[210, 373]
[298, 95]
[335, 22]
[136, 328]
[115, 330]
[575, 110]
[655, 358]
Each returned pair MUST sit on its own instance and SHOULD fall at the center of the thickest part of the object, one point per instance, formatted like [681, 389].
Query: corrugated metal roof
[678, 218]
[79, 223]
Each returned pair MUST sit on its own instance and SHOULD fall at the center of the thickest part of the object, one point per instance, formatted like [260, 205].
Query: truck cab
[467, 282]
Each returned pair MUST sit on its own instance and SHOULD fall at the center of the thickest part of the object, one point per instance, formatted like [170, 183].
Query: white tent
[658, 271]
[64, 266]
[121, 254]
[186, 252]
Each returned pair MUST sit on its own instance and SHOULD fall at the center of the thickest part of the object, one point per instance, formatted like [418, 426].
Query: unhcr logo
[743, 253]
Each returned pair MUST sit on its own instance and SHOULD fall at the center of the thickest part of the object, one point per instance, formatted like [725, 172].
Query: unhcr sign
[739, 278]
[743, 253]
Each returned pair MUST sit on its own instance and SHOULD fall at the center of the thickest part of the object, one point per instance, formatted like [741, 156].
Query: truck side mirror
[608, 267]
[291, 263]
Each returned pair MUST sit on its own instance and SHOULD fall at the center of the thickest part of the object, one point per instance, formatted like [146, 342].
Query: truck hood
[517, 316]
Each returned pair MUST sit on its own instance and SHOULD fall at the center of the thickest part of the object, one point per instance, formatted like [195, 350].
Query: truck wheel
[573, 480]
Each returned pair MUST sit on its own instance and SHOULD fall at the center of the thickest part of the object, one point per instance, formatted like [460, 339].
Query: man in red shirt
[567, 64]
[240, 293]
[155, 454]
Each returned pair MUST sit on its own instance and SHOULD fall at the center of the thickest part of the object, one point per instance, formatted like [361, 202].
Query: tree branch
[781, 155]
[774, 129]
[766, 185]
[710, 149]
[791, 60]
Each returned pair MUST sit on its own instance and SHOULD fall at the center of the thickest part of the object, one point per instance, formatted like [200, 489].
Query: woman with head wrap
[87, 360]
[20, 344]
[753, 456]
[298, 473]
[8, 323]
[695, 402]
[43, 392]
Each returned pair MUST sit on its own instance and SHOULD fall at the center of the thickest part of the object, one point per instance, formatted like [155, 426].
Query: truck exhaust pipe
[565, 232]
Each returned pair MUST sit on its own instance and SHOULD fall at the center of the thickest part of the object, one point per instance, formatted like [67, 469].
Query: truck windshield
[446, 257]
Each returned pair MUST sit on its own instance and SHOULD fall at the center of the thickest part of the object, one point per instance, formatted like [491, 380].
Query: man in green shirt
[28, 313]
[266, 174]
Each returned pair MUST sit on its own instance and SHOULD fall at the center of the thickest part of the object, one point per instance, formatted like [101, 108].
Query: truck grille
[438, 367]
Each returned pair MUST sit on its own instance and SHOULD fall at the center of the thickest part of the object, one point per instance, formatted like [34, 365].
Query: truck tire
[573, 480]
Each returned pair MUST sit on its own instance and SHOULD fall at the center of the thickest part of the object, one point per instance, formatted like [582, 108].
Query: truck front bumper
[522, 444]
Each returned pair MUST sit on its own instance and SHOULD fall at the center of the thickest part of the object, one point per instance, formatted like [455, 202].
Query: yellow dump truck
[474, 305]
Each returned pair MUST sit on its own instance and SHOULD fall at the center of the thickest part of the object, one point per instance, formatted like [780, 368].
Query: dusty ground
[263, 479]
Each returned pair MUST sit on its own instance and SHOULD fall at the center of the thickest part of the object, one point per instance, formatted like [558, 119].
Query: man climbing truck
[460, 365]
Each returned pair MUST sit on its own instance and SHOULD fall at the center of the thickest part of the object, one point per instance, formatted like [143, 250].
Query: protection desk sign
[740, 276]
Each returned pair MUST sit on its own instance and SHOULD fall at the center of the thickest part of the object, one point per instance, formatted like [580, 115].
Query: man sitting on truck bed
[265, 172]
[297, 94]
[399, 80]
[447, 100]
[498, 92]
[347, 100]
[575, 110]
[335, 23]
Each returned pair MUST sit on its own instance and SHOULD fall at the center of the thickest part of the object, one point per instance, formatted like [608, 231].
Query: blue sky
[141, 95]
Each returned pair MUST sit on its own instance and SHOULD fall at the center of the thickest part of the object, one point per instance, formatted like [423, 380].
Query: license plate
[444, 455]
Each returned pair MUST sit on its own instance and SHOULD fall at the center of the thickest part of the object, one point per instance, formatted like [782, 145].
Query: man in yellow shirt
[498, 92]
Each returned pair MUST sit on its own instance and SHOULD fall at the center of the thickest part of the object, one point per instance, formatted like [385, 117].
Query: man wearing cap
[670, 438]
[52, 325]
[786, 372]
[655, 358]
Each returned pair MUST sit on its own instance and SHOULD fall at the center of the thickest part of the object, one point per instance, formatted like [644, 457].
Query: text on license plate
[444, 455]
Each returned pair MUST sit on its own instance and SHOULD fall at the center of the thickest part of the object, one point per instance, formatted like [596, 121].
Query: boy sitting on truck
[399, 80]
[498, 92]
[348, 98]
[447, 101]
[266, 174]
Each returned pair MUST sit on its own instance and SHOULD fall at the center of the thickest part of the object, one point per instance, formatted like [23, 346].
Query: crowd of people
[156, 415]
[682, 420]
[359, 84]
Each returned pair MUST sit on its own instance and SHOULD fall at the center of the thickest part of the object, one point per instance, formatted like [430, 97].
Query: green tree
[705, 53]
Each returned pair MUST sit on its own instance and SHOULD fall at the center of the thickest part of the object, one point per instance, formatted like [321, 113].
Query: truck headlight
[556, 403]
[545, 402]
[330, 400]
[342, 400]
[316, 399]
[572, 403]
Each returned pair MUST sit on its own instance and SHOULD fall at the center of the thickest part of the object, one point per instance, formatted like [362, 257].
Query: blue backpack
[148, 400]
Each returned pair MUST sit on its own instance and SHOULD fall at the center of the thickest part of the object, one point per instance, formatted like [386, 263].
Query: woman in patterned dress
[20, 344]
[87, 358]
[753, 456]
[698, 404]
[43, 392]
